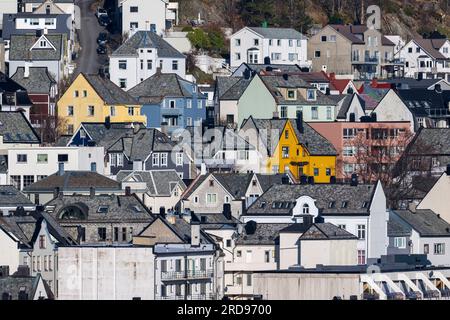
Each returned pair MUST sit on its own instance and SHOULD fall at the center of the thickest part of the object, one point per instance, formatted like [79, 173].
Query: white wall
[434, 201]
[106, 273]
[149, 12]
[392, 108]
[328, 252]
[9, 252]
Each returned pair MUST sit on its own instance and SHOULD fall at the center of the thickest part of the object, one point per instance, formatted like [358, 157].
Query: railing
[209, 296]
[189, 274]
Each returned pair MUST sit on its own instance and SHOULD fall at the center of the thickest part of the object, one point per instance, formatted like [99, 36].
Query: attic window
[364, 205]
[211, 183]
[254, 183]
[50, 209]
[331, 204]
[102, 209]
[203, 219]
[137, 209]
[344, 204]
[263, 205]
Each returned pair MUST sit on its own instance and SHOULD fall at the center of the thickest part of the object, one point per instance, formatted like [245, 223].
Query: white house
[141, 56]
[144, 15]
[428, 57]
[28, 165]
[281, 46]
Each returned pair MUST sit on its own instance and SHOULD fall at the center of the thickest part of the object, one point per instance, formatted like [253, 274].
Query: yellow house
[294, 147]
[91, 98]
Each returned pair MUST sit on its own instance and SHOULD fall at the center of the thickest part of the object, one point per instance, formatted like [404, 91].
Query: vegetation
[209, 38]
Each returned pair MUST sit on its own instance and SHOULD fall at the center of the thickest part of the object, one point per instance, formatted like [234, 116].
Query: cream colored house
[434, 198]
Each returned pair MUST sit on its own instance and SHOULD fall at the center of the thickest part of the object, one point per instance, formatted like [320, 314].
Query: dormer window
[305, 209]
[102, 209]
[331, 204]
[291, 94]
[311, 95]
[344, 204]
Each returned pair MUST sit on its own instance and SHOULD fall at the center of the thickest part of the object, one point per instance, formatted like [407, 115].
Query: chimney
[307, 220]
[448, 170]
[136, 128]
[374, 83]
[247, 74]
[56, 192]
[195, 233]
[45, 31]
[285, 180]
[26, 72]
[438, 88]
[328, 91]
[162, 212]
[128, 191]
[61, 169]
[203, 170]
[92, 192]
[108, 122]
[332, 76]
[354, 180]
[227, 210]
[299, 122]
[22, 271]
[164, 127]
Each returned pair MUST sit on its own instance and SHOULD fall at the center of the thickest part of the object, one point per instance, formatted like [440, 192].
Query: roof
[15, 128]
[278, 33]
[147, 39]
[9, 85]
[271, 68]
[412, 83]
[10, 196]
[397, 229]
[425, 222]
[159, 86]
[216, 221]
[326, 231]
[265, 234]
[430, 141]
[235, 183]
[20, 48]
[423, 102]
[38, 81]
[347, 103]
[106, 136]
[231, 88]
[13, 285]
[280, 199]
[73, 181]
[355, 33]
[109, 91]
[432, 46]
[159, 182]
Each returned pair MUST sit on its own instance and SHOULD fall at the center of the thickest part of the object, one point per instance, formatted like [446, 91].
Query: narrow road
[88, 60]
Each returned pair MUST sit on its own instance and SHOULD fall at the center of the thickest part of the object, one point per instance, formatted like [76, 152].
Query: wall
[289, 250]
[392, 108]
[10, 252]
[434, 201]
[149, 12]
[110, 273]
[328, 252]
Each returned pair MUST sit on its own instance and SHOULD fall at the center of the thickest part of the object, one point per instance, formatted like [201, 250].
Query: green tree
[199, 39]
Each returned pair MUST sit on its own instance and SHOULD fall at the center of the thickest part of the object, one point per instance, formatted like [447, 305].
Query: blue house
[171, 99]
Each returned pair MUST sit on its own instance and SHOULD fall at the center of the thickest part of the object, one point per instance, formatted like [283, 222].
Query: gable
[43, 43]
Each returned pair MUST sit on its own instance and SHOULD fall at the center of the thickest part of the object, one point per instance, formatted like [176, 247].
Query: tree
[199, 39]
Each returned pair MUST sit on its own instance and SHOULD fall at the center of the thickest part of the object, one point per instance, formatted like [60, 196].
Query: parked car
[101, 49]
[102, 38]
[101, 12]
[104, 20]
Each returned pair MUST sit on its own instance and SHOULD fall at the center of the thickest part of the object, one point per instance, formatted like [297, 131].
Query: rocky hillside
[405, 17]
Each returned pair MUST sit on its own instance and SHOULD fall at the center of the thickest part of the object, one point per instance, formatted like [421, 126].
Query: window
[172, 104]
[253, 56]
[91, 111]
[45, 263]
[239, 254]
[267, 256]
[42, 242]
[361, 256]
[76, 94]
[256, 42]
[283, 112]
[418, 50]
[188, 121]
[142, 64]
[179, 159]
[293, 57]
[70, 111]
[243, 155]
[332, 38]
[439, 248]
[124, 234]
[130, 111]
[323, 39]
[328, 172]
[276, 56]
[63, 157]
[119, 160]
[305, 208]
[400, 242]
[27, 180]
[22, 158]
[164, 159]
[237, 42]
[361, 231]
[211, 198]
[226, 199]
[123, 64]
[178, 265]
[349, 133]
[112, 111]
[279, 42]
[248, 256]
[311, 94]
[16, 182]
[237, 56]
[426, 248]
[249, 279]
[175, 65]
[155, 159]
[314, 113]
[317, 54]
[316, 172]
[85, 93]
[348, 151]
[163, 291]
[196, 199]
[189, 104]
[291, 94]
[50, 263]
[134, 9]
[285, 152]
[342, 226]
[116, 234]
[329, 113]
[101, 234]
[123, 83]
[112, 160]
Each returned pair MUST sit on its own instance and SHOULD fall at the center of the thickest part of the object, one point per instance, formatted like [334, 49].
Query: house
[16, 131]
[257, 45]
[411, 83]
[168, 98]
[160, 190]
[210, 192]
[268, 69]
[429, 234]
[91, 98]
[99, 218]
[292, 147]
[14, 97]
[71, 182]
[140, 15]
[40, 6]
[28, 165]
[427, 58]
[139, 57]
[24, 287]
[357, 208]
[39, 50]
[42, 90]
[433, 199]
[353, 50]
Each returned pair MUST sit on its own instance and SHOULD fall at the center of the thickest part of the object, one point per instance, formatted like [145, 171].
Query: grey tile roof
[147, 141]
[425, 222]
[120, 208]
[9, 24]
[268, 180]
[107, 137]
[161, 85]
[223, 84]
[432, 46]
[80, 181]
[15, 128]
[13, 284]
[150, 40]
[109, 91]
[330, 198]
[278, 33]
[412, 83]
[397, 229]
[183, 230]
[265, 234]
[351, 32]
[22, 227]
[232, 88]
[10, 196]
[431, 141]
[159, 182]
[39, 80]
[20, 46]
[426, 103]
[326, 231]
[214, 221]
[274, 68]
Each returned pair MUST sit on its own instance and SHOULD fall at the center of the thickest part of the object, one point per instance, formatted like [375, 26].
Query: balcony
[185, 275]
[209, 296]
[367, 60]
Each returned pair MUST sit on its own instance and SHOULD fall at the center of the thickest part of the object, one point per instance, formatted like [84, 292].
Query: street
[88, 61]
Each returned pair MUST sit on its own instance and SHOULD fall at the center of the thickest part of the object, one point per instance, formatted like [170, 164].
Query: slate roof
[120, 208]
[159, 182]
[159, 86]
[147, 39]
[13, 284]
[280, 199]
[20, 46]
[106, 137]
[9, 85]
[10, 196]
[15, 128]
[73, 181]
[346, 105]
[412, 83]
[109, 91]
[432, 46]
[278, 33]
[397, 229]
[430, 141]
[9, 24]
[326, 231]
[351, 32]
[425, 222]
[231, 88]
[426, 103]
[148, 140]
[265, 234]
[273, 68]
[39, 80]
[216, 221]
